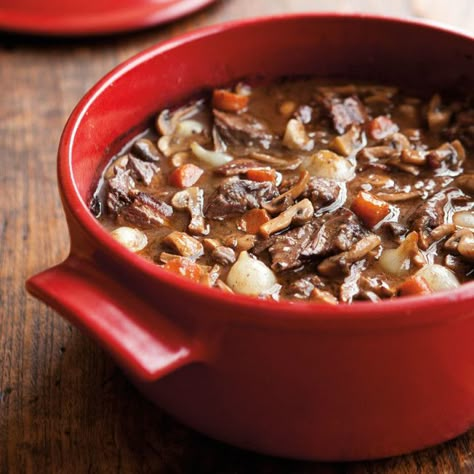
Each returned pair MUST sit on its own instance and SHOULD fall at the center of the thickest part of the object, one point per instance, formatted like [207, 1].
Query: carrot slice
[185, 176]
[415, 285]
[252, 220]
[184, 267]
[369, 209]
[262, 174]
[381, 127]
[229, 101]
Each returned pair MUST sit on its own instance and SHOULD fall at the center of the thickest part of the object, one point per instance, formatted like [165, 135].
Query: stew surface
[302, 190]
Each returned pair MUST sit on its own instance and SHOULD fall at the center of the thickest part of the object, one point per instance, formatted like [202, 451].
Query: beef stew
[303, 191]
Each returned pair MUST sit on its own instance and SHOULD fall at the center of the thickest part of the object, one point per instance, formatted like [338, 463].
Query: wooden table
[64, 405]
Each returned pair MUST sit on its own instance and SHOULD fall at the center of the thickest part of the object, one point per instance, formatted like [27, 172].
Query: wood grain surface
[64, 405]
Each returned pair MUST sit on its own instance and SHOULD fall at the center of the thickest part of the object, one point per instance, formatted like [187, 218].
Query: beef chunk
[336, 235]
[342, 262]
[236, 167]
[223, 255]
[322, 192]
[118, 190]
[286, 250]
[427, 216]
[146, 150]
[262, 245]
[465, 182]
[303, 287]
[394, 229]
[463, 128]
[142, 170]
[349, 288]
[242, 129]
[345, 112]
[235, 196]
[145, 211]
[374, 288]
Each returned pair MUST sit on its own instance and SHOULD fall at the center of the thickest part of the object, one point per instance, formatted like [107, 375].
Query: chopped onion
[398, 261]
[250, 276]
[439, 278]
[213, 158]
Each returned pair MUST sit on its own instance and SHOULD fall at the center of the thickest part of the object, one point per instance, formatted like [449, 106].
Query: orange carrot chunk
[381, 127]
[184, 267]
[185, 176]
[252, 220]
[229, 101]
[262, 174]
[415, 285]
[369, 209]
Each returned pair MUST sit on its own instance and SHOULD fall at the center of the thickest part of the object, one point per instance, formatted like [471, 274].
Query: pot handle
[142, 340]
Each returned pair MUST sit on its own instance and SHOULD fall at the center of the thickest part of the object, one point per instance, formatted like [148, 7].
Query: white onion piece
[134, 239]
[213, 158]
[394, 262]
[327, 164]
[439, 278]
[464, 219]
[398, 261]
[250, 276]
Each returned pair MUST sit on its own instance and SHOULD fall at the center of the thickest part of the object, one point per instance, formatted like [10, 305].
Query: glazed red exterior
[290, 379]
[83, 17]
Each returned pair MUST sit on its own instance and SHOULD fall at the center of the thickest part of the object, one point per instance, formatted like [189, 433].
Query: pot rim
[406, 310]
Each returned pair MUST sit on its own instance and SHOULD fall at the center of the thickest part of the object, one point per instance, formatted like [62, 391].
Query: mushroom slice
[337, 264]
[413, 157]
[399, 197]
[441, 231]
[374, 153]
[398, 142]
[464, 219]
[188, 134]
[437, 117]
[349, 142]
[280, 164]
[407, 168]
[322, 296]
[167, 121]
[192, 200]
[240, 242]
[295, 137]
[184, 244]
[281, 202]
[462, 242]
[465, 182]
[299, 213]
[447, 154]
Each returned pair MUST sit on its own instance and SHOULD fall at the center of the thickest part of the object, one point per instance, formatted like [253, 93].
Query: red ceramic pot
[291, 379]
